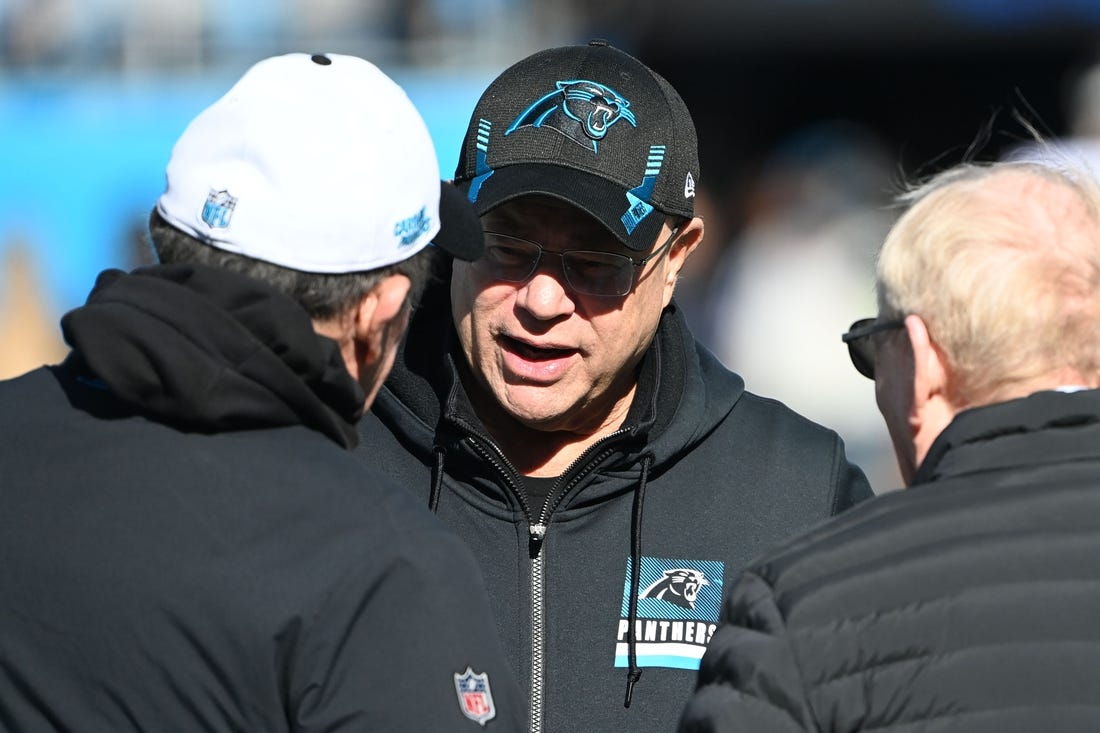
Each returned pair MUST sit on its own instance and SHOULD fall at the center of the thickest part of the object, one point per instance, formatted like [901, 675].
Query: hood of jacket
[683, 391]
[209, 350]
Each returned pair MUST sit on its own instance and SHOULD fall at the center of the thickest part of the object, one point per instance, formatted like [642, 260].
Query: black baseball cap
[460, 234]
[592, 126]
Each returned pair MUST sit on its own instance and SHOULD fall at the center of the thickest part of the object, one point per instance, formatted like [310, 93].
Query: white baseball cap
[316, 163]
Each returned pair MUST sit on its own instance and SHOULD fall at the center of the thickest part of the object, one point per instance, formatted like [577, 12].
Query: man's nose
[547, 294]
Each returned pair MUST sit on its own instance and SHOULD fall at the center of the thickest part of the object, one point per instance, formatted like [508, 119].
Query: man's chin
[540, 408]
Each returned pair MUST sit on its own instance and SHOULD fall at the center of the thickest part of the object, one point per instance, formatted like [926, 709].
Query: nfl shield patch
[218, 209]
[474, 696]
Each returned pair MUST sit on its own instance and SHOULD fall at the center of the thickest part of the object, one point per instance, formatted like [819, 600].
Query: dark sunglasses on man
[861, 348]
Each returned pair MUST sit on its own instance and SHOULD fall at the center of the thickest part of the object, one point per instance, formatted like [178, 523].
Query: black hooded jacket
[968, 602]
[702, 477]
[186, 542]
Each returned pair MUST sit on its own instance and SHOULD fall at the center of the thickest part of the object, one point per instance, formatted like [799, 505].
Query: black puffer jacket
[186, 544]
[702, 477]
[970, 602]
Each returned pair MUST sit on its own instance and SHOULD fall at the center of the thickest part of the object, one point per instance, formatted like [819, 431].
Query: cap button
[320, 59]
[599, 42]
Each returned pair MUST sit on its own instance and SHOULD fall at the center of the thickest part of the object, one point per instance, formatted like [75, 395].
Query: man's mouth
[535, 353]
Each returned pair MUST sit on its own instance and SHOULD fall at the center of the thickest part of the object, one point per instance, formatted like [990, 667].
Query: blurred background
[811, 114]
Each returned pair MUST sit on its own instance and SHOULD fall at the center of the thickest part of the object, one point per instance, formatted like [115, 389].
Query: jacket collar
[988, 437]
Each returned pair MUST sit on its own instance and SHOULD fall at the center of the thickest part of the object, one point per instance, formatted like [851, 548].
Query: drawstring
[437, 478]
[634, 673]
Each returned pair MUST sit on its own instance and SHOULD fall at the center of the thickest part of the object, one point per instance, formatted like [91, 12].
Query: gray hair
[324, 296]
[1007, 281]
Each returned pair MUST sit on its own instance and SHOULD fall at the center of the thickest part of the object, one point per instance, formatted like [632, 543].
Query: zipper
[536, 533]
[586, 457]
[538, 640]
[536, 537]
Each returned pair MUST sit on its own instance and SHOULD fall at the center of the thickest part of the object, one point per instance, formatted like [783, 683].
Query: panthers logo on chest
[680, 586]
[584, 111]
[678, 605]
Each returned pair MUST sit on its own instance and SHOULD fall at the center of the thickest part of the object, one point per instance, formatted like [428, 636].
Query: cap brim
[598, 197]
[460, 234]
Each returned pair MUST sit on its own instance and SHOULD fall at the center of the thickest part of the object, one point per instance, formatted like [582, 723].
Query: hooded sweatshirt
[643, 531]
[188, 544]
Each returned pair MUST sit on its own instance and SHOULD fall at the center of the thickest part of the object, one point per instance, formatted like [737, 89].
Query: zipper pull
[534, 539]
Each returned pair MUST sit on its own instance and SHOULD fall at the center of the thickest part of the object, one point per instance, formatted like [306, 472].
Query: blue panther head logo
[581, 110]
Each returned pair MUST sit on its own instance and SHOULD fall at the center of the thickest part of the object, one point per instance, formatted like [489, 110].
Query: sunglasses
[603, 274]
[861, 349]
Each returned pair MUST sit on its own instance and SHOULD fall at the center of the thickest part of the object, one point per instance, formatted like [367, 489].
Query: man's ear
[379, 311]
[929, 367]
[932, 409]
[687, 239]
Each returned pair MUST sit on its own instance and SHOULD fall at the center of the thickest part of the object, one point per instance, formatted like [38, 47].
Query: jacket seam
[957, 714]
[946, 655]
[834, 483]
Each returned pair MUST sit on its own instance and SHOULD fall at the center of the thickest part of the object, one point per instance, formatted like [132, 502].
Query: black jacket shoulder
[966, 602]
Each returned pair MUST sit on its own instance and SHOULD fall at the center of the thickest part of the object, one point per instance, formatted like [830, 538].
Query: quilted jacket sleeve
[749, 679]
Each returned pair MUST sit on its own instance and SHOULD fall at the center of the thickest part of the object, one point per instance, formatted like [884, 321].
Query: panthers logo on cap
[581, 110]
[679, 586]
